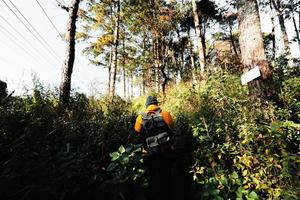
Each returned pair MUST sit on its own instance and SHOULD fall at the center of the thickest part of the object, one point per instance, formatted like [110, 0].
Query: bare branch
[62, 6]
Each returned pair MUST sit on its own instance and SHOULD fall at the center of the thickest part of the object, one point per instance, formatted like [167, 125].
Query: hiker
[155, 129]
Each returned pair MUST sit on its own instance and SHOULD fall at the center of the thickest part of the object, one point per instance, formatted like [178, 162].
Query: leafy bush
[233, 138]
[227, 146]
[60, 156]
[127, 180]
[290, 97]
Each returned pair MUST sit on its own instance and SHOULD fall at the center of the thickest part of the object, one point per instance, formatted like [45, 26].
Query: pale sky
[20, 59]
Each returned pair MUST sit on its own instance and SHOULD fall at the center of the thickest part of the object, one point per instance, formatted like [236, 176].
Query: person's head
[151, 100]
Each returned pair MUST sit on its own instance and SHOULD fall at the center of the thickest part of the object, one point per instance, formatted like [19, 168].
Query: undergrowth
[227, 146]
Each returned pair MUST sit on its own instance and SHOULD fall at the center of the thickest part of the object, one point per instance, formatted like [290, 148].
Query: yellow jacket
[152, 108]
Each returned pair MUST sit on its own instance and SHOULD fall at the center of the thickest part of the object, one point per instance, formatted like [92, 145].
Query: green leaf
[215, 192]
[111, 166]
[224, 181]
[121, 149]
[274, 126]
[235, 175]
[125, 160]
[253, 196]
[114, 156]
[239, 192]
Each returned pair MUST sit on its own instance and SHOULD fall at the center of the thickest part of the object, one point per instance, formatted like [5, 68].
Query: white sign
[250, 75]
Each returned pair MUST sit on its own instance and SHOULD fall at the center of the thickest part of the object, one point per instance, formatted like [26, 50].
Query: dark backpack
[156, 134]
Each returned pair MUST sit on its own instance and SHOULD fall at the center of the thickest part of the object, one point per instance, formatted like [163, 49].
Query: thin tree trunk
[252, 46]
[114, 65]
[124, 71]
[181, 60]
[232, 42]
[128, 85]
[131, 86]
[65, 86]
[296, 30]
[156, 65]
[203, 39]
[273, 36]
[164, 75]
[191, 54]
[124, 81]
[3, 90]
[143, 71]
[285, 38]
[109, 69]
[110, 54]
[199, 38]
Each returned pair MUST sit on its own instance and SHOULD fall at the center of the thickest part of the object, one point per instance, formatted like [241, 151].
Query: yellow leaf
[194, 177]
[213, 164]
[219, 156]
[278, 166]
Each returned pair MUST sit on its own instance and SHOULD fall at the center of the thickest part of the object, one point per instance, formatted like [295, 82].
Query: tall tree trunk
[128, 84]
[3, 90]
[232, 42]
[252, 46]
[164, 74]
[124, 71]
[110, 53]
[124, 81]
[181, 49]
[156, 65]
[199, 38]
[191, 55]
[143, 70]
[131, 85]
[279, 11]
[114, 65]
[65, 85]
[273, 36]
[109, 70]
[296, 29]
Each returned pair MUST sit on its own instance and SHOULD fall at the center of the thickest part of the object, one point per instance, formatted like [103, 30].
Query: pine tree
[252, 46]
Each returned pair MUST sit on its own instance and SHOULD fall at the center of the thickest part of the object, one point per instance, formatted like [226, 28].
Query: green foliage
[290, 95]
[126, 168]
[242, 153]
[44, 153]
[227, 146]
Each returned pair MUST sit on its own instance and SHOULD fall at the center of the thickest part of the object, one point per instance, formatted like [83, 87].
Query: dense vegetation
[227, 146]
[231, 141]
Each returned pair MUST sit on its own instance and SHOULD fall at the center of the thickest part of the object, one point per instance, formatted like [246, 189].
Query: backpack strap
[144, 115]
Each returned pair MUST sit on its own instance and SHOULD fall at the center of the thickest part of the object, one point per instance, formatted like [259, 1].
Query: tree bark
[285, 38]
[199, 38]
[131, 86]
[143, 70]
[273, 36]
[3, 90]
[109, 70]
[128, 84]
[114, 66]
[252, 46]
[296, 30]
[65, 85]
[124, 70]
[191, 54]
[156, 65]
[232, 42]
